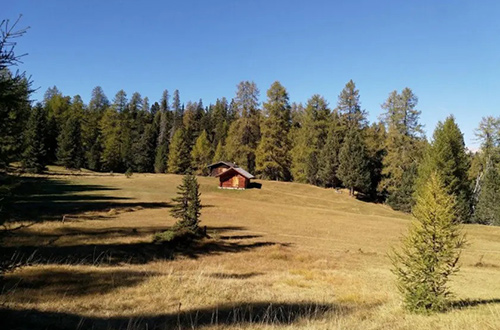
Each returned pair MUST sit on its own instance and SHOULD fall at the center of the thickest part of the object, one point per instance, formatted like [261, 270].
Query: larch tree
[220, 153]
[349, 107]
[430, 252]
[201, 154]
[404, 149]
[273, 152]
[309, 140]
[244, 132]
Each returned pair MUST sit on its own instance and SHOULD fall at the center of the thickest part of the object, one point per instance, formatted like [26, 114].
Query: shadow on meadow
[257, 313]
[46, 199]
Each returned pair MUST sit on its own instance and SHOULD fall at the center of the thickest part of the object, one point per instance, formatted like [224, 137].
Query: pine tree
[220, 154]
[201, 155]
[35, 153]
[273, 159]
[431, 250]
[329, 157]
[353, 163]
[448, 157]
[309, 140]
[221, 121]
[145, 154]
[177, 115]
[91, 133]
[487, 209]
[178, 156]
[375, 137]
[70, 151]
[187, 205]
[163, 135]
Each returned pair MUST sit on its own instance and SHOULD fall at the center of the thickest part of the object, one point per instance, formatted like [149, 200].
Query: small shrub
[129, 173]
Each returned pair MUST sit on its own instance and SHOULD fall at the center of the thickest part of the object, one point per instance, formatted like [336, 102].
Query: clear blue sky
[448, 52]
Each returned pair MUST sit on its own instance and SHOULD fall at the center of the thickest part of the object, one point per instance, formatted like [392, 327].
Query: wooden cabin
[219, 167]
[234, 178]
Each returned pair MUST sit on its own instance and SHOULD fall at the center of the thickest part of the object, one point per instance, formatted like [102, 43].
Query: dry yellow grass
[284, 256]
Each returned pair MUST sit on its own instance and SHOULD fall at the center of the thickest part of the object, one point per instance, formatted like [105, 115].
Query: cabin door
[236, 182]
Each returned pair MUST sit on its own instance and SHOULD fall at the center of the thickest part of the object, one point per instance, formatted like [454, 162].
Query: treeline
[316, 143]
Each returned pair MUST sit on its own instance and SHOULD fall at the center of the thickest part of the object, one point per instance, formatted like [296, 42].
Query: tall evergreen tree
[91, 133]
[35, 154]
[70, 148]
[487, 209]
[244, 132]
[375, 137]
[431, 251]
[404, 149]
[353, 163]
[310, 140]
[179, 153]
[201, 155]
[163, 135]
[329, 160]
[448, 157]
[187, 205]
[110, 128]
[220, 153]
[349, 107]
[145, 153]
[177, 115]
[273, 152]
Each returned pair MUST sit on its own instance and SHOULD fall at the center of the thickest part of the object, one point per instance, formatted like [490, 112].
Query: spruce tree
[187, 205]
[273, 159]
[110, 127]
[487, 209]
[35, 153]
[353, 163]
[431, 250]
[201, 155]
[329, 158]
[447, 156]
[91, 133]
[163, 134]
[145, 153]
[179, 154]
[70, 148]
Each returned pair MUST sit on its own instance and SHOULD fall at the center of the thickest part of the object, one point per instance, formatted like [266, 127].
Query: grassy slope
[303, 249]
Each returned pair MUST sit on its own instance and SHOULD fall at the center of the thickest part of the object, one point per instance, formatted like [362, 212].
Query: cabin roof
[222, 163]
[237, 170]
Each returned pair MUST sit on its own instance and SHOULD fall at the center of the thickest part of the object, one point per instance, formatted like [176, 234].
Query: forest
[327, 144]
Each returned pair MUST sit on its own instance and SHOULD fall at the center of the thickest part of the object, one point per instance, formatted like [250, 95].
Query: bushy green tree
[273, 159]
[201, 154]
[179, 159]
[431, 250]
[220, 154]
[35, 154]
[187, 205]
[70, 147]
[353, 163]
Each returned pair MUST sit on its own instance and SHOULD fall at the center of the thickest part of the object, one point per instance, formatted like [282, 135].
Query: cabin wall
[233, 181]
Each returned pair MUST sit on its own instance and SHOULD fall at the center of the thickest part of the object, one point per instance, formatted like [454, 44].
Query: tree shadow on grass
[45, 199]
[241, 314]
[121, 253]
[54, 283]
[466, 303]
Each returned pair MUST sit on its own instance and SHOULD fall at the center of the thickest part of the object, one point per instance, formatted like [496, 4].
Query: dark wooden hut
[219, 167]
[234, 178]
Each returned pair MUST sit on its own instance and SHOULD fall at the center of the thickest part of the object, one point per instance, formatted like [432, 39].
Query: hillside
[282, 255]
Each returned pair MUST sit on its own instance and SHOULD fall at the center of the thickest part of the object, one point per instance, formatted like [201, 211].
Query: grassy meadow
[280, 256]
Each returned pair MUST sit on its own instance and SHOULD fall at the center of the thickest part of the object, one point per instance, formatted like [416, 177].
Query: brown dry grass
[283, 256]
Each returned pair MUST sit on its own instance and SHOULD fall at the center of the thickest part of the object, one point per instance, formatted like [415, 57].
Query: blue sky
[448, 52]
